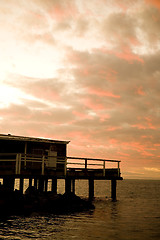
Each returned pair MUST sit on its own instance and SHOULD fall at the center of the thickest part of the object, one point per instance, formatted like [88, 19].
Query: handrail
[95, 159]
[42, 159]
[85, 163]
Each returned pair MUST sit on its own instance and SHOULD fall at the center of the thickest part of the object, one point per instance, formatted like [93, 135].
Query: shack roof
[30, 139]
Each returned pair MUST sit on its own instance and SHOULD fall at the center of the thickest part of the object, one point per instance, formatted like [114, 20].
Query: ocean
[134, 216]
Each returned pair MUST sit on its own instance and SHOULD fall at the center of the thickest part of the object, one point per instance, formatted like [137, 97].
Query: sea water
[135, 215]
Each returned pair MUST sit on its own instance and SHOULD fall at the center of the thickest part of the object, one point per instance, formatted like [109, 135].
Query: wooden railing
[21, 162]
[91, 163]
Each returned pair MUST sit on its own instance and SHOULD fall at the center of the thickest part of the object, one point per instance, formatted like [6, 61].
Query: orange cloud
[155, 3]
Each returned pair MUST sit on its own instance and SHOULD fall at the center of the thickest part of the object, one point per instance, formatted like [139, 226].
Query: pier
[44, 160]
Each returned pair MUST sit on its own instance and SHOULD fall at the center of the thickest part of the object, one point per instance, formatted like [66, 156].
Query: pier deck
[22, 166]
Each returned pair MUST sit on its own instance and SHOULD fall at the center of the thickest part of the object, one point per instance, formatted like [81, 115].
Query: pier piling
[67, 185]
[30, 182]
[73, 186]
[41, 184]
[8, 182]
[91, 189]
[54, 185]
[113, 189]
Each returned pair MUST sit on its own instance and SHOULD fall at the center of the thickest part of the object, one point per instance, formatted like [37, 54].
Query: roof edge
[30, 139]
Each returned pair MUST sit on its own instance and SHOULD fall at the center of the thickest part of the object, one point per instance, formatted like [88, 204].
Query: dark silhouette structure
[40, 160]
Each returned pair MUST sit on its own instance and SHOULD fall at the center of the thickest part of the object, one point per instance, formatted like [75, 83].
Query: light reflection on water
[136, 215]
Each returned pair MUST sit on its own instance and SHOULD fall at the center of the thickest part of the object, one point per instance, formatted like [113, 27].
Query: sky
[84, 71]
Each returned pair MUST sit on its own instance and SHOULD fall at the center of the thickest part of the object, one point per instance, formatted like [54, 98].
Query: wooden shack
[25, 154]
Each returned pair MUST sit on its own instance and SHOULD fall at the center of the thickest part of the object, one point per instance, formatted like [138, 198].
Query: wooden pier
[28, 160]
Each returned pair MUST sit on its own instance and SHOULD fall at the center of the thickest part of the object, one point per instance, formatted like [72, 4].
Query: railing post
[104, 169]
[85, 164]
[91, 189]
[19, 163]
[43, 164]
[65, 167]
[118, 170]
[25, 153]
[113, 189]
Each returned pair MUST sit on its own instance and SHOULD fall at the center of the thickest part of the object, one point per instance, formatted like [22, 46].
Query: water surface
[135, 215]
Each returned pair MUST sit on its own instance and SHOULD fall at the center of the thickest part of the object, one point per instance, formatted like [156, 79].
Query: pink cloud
[110, 129]
[134, 41]
[147, 123]
[147, 154]
[140, 91]
[104, 117]
[123, 154]
[81, 115]
[157, 144]
[113, 141]
[60, 12]
[102, 93]
[133, 145]
[126, 54]
[84, 72]
[94, 105]
[139, 126]
[110, 75]
[47, 93]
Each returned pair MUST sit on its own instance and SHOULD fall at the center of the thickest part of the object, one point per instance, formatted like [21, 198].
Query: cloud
[86, 72]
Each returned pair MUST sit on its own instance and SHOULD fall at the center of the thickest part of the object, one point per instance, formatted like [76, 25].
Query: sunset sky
[84, 71]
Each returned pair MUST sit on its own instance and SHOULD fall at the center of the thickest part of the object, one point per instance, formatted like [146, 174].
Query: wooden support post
[113, 189]
[21, 184]
[91, 189]
[8, 182]
[46, 185]
[41, 184]
[30, 182]
[67, 185]
[54, 185]
[73, 186]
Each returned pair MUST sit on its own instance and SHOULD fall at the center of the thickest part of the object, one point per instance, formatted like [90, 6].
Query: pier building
[41, 160]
